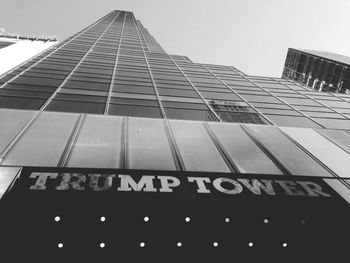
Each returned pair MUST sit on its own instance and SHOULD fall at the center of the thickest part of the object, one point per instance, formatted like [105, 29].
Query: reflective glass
[289, 154]
[196, 148]
[327, 152]
[44, 142]
[7, 175]
[99, 143]
[340, 138]
[148, 145]
[294, 121]
[11, 123]
[247, 156]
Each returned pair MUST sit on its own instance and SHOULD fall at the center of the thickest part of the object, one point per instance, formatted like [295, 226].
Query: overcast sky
[252, 35]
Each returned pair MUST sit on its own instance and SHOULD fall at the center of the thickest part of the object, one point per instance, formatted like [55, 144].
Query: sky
[251, 35]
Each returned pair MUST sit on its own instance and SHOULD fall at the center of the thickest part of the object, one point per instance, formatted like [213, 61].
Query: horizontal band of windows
[55, 67]
[98, 77]
[134, 111]
[184, 105]
[292, 121]
[279, 111]
[257, 98]
[44, 75]
[87, 85]
[130, 101]
[80, 97]
[134, 95]
[37, 81]
[138, 79]
[181, 99]
[222, 96]
[75, 106]
[21, 103]
[324, 115]
[24, 93]
[216, 89]
[175, 82]
[231, 108]
[133, 89]
[132, 83]
[252, 92]
[133, 74]
[49, 71]
[177, 92]
[29, 87]
[242, 117]
[91, 70]
[76, 77]
[83, 92]
[189, 114]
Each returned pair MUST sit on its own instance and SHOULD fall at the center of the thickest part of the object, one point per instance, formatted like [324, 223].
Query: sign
[168, 184]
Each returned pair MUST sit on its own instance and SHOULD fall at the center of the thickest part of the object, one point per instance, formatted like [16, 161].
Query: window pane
[148, 145]
[99, 143]
[189, 114]
[340, 188]
[11, 123]
[340, 138]
[196, 148]
[291, 156]
[293, 121]
[324, 150]
[247, 156]
[7, 175]
[134, 111]
[44, 142]
[76, 106]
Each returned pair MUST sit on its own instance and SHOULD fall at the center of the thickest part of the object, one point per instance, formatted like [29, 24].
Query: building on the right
[320, 70]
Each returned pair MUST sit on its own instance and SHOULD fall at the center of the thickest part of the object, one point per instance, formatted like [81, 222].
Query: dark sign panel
[147, 213]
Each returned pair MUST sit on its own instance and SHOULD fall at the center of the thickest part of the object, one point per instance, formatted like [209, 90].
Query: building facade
[16, 49]
[320, 70]
[111, 147]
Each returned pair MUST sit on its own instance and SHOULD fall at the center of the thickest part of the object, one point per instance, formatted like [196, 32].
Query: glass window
[324, 150]
[304, 102]
[134, 111]
[87, 85]
[340, 138]
[340, 187]
[99, 144]
[258, 98]
[148, 146]
[247, 156]
[196, 148]
[331, 103]
[291, 156]
[219, 95]
[177, 92]
[44, 142]
[197, 106]
[189, 114]
[333, 123]
[11, 123]
[21, 103]
[293, 121]
[7, 175]
[75, 106]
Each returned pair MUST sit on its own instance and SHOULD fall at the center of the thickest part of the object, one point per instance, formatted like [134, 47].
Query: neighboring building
[16, 49]
[320, 70]
[112, 148]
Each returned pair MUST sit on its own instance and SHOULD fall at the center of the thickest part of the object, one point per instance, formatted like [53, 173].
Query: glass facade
[320, 70]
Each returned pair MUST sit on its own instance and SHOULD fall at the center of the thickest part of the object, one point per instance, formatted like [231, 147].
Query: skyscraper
[320, 70]
[111, 147]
